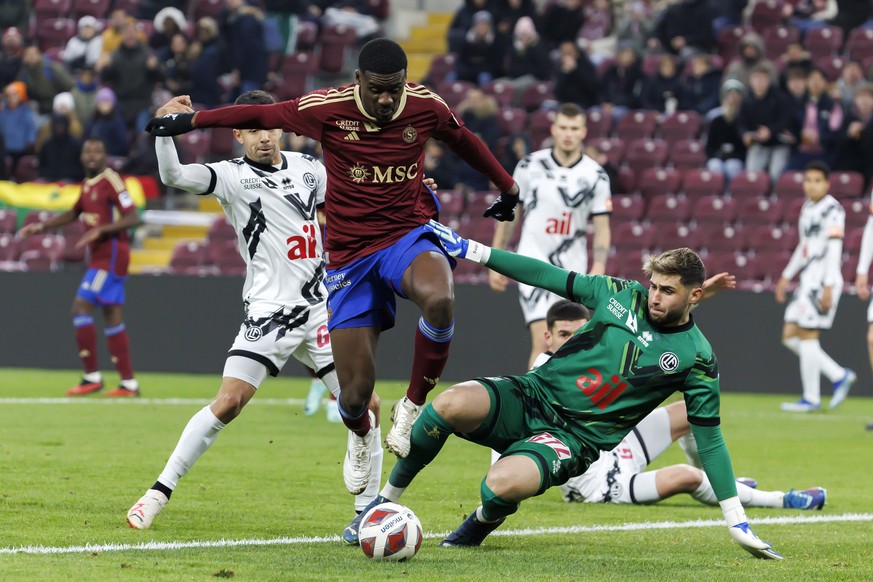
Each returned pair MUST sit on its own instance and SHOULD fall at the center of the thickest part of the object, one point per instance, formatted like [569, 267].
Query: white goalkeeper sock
[753, 498]
[643, 488]
[362, 500]
[688, 444]
[793, 344]
[198, 436]
[832, 370]
[810, 371]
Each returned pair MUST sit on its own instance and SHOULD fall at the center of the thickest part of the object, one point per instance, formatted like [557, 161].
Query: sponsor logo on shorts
[616, 308]
[615, 490]
[557, 445]
[668, 361]
[252, 334]
[337, 281]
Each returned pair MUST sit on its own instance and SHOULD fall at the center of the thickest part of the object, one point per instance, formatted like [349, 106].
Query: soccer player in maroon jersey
[373, 133]
[103, 193]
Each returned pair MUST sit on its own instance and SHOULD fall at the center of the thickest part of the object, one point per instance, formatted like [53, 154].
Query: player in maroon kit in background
[373, 134]
[103, 192]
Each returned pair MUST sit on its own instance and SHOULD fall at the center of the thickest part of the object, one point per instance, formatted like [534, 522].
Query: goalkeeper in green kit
[640, 346]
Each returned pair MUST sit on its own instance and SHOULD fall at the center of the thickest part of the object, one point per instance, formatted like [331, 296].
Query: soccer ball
[390, 531]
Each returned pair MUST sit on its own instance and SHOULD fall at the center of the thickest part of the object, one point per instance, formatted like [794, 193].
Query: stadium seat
[611, 147]
[453, 92]
[697, 182]
[852, 242]
[598, 124]
[681, 125]
[298, 72]
[451, 204]
[380, 9]
[789, 184]
[187, 257]
[220, 231]
[221, 142]
[654, 182]
[502, 90]
[735, 263]
[765, 13]
[37, 216]
[669, 208]
[714, 209]
[726, 238]
[8, 220]
[677, 234]
[637, 123]
[859, 45]
[831, 66]
[792, 208]
[846, 184]
[72, 233]
[650, 64]
[760, 210]
[54, 32]
[220, 246]
[194, 146]
[628, 265]
[132, 6]
[748, 183]
[99, 9]
[8, 247]
[632, 236]
[51, 8]
[759, 237]
[335, 44]
[512, 120]
[767, 264]
[627, 208]
[41, 252]
[203, 8]
[857, 212]
[777, 38]
[646, 153]
[536, 94]
[728, 41]
[477, 202]
[307, 36]
[540, 125]
[440, 66]
[625, 181]
[688, 154]
[826, 40]
[604, 65]
[849, 269]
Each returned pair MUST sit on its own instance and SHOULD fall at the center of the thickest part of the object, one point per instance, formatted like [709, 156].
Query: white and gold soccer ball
[390, 531]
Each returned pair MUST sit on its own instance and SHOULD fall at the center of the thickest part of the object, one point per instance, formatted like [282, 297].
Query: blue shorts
[361, 294]
[101, 287]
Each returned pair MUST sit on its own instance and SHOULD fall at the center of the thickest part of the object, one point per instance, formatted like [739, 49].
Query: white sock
[198, 436]
[392, 493]
[93, 377]
[832, 370]
[643, 488]
[689, 446]
[494, 456]
[130, 384]
[753, 498]
[704, 492]
[362, 500]
[793, 344]
[810, 371]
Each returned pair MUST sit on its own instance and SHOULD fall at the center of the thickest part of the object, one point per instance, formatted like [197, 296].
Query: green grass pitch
[272, 487]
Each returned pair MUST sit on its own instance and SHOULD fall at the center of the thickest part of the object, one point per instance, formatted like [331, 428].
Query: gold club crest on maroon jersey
[359, 173]
[409, 134]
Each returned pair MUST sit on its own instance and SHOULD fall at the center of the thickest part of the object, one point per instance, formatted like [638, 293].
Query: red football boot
[84, 388]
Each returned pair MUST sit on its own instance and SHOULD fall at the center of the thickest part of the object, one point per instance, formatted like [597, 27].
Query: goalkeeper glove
[171, 124]
[742, 533]
[457, 246]
[503, 209]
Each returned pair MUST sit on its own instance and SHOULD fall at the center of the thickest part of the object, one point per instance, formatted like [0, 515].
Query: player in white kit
[559, 188]
[812, 308]
[862, 281]
[270, 198]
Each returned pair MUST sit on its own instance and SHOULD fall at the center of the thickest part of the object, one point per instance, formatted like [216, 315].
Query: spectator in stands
[118, 20]
[85, 95]
[132, 72]
[725, 149]
[168, 22]
[621, 84]
[206, 64]
[686, 26]
[479, 113]
[851, 14]
[440, 164]
[727, 13]
[15, 13]
[575, 78]
[354, 14]
[851, 77]
[517, 148]
[594, 36]
[463, 21]
[84, 49]
[764, 121]
[855, 139]
[305, 145]
[108, 124]
[10, 55]
[561, 22]
[806, 15]
[44, 79]
[59, 155]
[701, 86]
[794, 57]
[177, 66]
[17, 122]
[664, 90]
[601, 158]
[635, 25]
[528, 57]
[243, 31]
[482, 54]
[508, 12]
[819, 121]
[65, 106]
[750, 53]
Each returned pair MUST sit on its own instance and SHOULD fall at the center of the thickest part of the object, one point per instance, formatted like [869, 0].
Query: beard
[668, 319]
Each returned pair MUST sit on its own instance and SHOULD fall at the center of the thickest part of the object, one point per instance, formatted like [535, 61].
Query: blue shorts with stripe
[361, 294]
[101, 287]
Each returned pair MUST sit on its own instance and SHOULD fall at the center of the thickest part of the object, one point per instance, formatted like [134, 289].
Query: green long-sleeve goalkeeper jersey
[620, 366]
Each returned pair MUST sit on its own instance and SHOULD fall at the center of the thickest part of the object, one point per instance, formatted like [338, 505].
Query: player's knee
[356, 394]
[512, 480]
[450, 404]
[689, 477]
[228, 405]
[439, 310]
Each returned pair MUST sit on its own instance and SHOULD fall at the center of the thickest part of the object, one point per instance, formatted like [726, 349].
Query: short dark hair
[570, 110]
[256, 97]
[96, 139]
[683, 262]
[818, 166]
[382, 56]
[566, 310]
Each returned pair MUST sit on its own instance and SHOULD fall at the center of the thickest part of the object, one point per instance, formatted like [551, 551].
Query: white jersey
[819, 223]
[273, 211]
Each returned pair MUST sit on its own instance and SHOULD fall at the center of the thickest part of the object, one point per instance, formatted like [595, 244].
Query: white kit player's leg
[362, 500]
[688, 444]
[810, 371]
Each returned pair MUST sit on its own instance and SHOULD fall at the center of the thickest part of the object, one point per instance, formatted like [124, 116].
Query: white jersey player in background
[619, 475]
[818, 259]
[862, 281]
[270, 198]
[559, 188]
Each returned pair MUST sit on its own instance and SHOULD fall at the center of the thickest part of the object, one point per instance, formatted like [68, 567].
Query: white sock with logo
[198, 436]
[810, 371]
[362, 500]
[753, 498]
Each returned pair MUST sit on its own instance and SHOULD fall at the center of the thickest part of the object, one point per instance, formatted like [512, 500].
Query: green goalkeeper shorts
[519, 423]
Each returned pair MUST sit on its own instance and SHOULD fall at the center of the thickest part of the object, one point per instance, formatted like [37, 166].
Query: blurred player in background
[107, 211]
[559, 189]
[862, 281]
[817, 258]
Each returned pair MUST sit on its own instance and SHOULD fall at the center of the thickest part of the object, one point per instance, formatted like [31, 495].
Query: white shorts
[608, 479]
[805, 311]
[266, 341]
[535, 302]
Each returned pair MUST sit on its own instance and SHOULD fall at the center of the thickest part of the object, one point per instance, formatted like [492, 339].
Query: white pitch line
[285, 541]
[135, 401]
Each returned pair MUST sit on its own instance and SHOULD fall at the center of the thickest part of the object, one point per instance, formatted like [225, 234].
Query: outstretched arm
[195, 178]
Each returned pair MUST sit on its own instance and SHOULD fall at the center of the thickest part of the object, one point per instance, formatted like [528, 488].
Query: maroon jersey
[101, 195]
[374, 171]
